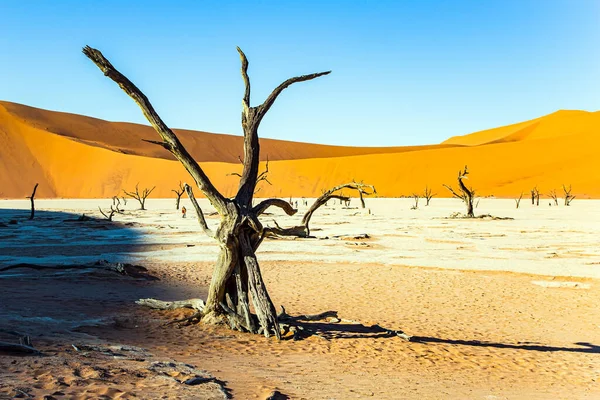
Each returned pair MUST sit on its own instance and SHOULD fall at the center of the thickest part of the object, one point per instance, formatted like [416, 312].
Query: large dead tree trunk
[236, 278]
[303, 230]
[32, 214]
[466, 194]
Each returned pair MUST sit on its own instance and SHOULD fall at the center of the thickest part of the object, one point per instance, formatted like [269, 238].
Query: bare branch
[460, 196]
[265, 204]
[264, 107]
[303, 230]
[199, 212]
[244, 60]
[159, 143]
[172, 143]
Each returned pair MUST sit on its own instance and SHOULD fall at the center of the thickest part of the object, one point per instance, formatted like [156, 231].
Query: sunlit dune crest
[82, 157]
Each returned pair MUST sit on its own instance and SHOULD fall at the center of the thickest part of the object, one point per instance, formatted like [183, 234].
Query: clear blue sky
[404, 72]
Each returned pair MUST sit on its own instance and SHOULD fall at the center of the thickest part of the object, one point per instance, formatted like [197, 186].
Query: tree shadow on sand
[355, 330]
[584, 346]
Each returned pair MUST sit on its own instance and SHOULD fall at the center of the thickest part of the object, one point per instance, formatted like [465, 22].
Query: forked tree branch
[251, 119]
[171, 142]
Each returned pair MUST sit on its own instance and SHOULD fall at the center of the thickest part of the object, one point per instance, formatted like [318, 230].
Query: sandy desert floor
[497, 308]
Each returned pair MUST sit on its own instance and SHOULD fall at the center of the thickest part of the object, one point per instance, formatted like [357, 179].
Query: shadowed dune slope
[67, 160]
[203, 146]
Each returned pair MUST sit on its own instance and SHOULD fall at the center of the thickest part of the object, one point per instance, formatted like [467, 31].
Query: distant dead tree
[263, 176]
[141, 197]
[518, 201]
[109, 214]
[124, 200]
[466, 194]
[428, 195]
[178, 192]
[303, 230]
[416, 198]
[568, 197]
[535, 196]
[553, 196]
[32, 214]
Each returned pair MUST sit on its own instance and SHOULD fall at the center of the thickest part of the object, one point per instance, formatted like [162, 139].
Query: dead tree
[178, 192]
[568, 196]
[466, 194]
[141, 197]
[518, 201]
[428, 195]
[117, 203]
[553, 196]
[535, 196]
[236, 277]
[32, 202]
[416, 198]
[303, 230]
[109, 215]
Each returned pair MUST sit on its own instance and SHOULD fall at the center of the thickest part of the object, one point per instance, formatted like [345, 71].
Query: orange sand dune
[128, 138]
[547, 152]
[560, 123]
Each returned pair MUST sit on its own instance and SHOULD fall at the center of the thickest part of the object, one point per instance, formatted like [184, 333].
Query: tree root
[300, 326]
[194, 304]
